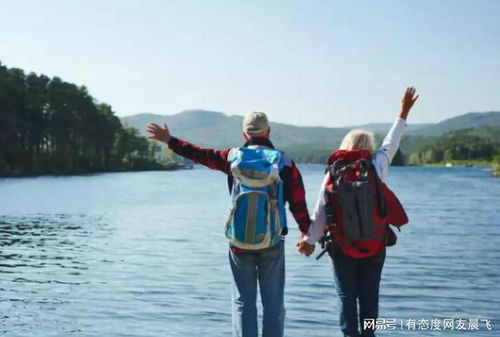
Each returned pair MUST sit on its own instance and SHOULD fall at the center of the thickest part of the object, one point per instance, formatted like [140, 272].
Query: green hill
[217, 129]
[480, 143]
[382, 128]
[468, 120]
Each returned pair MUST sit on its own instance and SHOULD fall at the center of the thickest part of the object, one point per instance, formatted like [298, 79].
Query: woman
[359, 230]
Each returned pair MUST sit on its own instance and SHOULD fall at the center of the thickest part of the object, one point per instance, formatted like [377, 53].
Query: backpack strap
[336, 170]
[364, 167]
[329, 210]
[382, 206]
[328, 245]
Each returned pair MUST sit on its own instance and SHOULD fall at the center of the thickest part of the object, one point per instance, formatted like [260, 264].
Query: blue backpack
[258, 214]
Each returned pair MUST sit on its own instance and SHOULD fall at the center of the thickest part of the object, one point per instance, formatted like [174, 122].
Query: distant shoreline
[171, 167]
[179, 166]
[461, 163]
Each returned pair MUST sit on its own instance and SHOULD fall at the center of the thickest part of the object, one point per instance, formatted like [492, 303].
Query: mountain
[306, 144]
[211, 128]
[468, 120]
[382, 128]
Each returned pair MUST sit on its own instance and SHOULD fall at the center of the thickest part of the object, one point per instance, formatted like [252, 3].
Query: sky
[319, 62]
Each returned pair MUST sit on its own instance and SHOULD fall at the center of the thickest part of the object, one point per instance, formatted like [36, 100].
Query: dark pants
[357, 279]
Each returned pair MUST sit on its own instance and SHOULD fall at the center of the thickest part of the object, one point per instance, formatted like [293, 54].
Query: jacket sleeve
[211, 158]
[319, 223]
[295, 195]
[383, 157]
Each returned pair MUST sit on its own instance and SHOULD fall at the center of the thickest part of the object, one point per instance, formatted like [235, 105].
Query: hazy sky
[331, 63]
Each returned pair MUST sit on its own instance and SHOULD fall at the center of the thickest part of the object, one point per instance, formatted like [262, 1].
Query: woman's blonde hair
[358, 139]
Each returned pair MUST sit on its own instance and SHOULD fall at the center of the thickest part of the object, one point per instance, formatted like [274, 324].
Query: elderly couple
[351, 218]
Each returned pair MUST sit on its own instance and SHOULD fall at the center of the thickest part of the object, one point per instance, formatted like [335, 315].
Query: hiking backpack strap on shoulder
[329, 210]
[335, 170]
[382, 205]
[327, 242]
[390, 237]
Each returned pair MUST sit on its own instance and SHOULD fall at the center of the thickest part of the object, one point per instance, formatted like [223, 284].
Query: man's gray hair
[358, 139]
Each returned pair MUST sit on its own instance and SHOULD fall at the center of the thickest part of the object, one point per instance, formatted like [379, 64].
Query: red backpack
[359, 205]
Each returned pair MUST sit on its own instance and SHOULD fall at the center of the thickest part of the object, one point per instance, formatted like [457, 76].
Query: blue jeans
[357, 280]
[267, 267]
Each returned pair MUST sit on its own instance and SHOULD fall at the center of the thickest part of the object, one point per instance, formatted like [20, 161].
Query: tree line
[51, 126]
[472, 144]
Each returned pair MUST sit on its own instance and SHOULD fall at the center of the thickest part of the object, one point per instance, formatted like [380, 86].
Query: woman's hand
[407, 102]
[305, 248]
[159, 133]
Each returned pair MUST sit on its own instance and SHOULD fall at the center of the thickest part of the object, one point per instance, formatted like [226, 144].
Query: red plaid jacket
[294, 193]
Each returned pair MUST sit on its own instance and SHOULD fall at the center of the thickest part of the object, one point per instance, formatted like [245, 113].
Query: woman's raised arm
[407, 102]
[383, 157]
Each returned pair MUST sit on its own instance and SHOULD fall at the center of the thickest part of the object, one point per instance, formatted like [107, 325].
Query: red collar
[352, 155]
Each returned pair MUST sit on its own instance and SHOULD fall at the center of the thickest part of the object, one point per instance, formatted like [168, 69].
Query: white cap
[255, 123]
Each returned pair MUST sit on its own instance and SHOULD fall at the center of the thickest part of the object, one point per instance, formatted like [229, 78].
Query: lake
[143, 254]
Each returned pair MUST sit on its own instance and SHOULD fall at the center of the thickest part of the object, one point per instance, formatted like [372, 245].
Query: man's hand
[305, 248]
[407, 102]
[159, 133]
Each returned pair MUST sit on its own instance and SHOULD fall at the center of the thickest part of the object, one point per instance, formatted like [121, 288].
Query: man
[265, 266]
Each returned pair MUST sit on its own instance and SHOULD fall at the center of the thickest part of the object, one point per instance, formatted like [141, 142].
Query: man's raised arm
[212, 158]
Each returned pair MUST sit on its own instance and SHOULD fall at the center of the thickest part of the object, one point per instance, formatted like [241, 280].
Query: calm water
[143, 254]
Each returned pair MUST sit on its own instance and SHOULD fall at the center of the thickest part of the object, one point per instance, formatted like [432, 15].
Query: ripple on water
[138, 255]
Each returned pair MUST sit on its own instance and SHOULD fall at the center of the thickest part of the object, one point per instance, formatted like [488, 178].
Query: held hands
[159, 133]
[407, 102]
[304, 248]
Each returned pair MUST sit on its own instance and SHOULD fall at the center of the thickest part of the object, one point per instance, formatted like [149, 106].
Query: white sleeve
[318, 221]
[383, 157]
